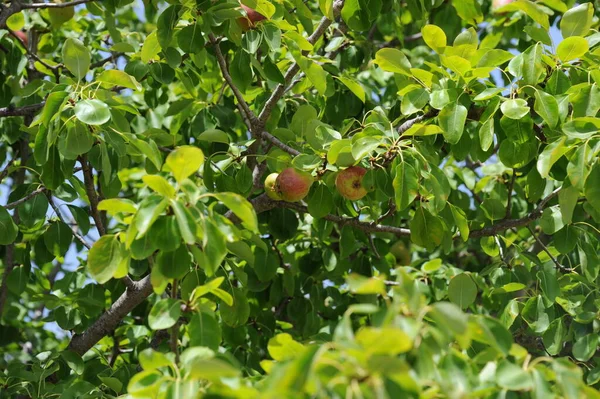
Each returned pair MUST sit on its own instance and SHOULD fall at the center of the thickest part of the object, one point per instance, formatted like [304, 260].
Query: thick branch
[293, 70]
[27, 110]
[14, 8]
[110, 319]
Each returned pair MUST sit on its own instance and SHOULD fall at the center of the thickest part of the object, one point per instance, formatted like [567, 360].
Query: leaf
[190, 39]
[237, 314]
[361, 285]
[567, 199]
[8, 228]
[592, 188]
[577, 21]
[452, 120]
[187, 225]
[148, 211]
[549, 282]
[315, 73]
[116, 205]
[450, 317]
[204, 330]
[174, 264]
[434, 37]
[547, 107]
[461, 222]
[354, 87]
[393, 60]
[166, 23]
[552, 153]
[74, 361]
[390, 341]
[572, 48]
[515, 108]
[164, 314]
[151, 360]
[240, 207]
[150, 48]
[406, 185]
[585, 347]
[241, 73]
[160, 185]
[581, 128]
[462, 290]
[551, 220]
[104, 258]
[426, 230]
[92, 112]
[512, 377]
[530, 8]
[214, 136]
[184, 161]
[76, 57]
[114, 77]
[320, 201]
[469, 11]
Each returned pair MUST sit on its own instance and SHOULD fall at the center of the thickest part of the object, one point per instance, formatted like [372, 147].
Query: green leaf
[150, 48]
[567, 199]
[74, 361]
[585, 347]
[452, 120]
[166, 23]
[164, 314]
[393, 60]
[530, 8]
[151, 360]
[241, 73]
[215, 248]
[592, 188]
[148, 211]
[58, 238]
[572, 48]
[184, 161]
[389, 341]
[551, 220]
[462, 290]
[174, 264]
[160, 185]
[512, 377]
[406, 185]
[92, 112]
[552, 153]
[237, 314]
[581, 128]
[8, 228]
[76, 57]
[414, 101]
[114, 77]
[546, 106]
[515, 108]
[361, 285]
[190, 39]
[549, 281]
[577, 21]
[204, 330]
[214, 136]
[469, 11]
[426, 230]
[320, 201]
[16, 21]
[116, 205]
[187, 225]
[434, 37]
[266, 264]
[240, 207]
[354, 87]
[104, 258]
[76, 141]
[449, 316]
[315, 73]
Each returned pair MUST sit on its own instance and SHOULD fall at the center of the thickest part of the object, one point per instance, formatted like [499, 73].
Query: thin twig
[175, 328]
[55, 5]
[59, 215]
[6, 169]
[545, 249]
[38, 191]
[279, 143]
[88, 179]
[511, 185]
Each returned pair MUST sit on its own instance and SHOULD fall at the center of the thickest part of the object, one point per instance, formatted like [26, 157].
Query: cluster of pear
[293, 185]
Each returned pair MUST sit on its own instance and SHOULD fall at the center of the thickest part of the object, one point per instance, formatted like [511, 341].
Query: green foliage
[141, 258]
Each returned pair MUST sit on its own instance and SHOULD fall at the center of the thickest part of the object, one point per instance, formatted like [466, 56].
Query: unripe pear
[251, 19]
[293, 185]
[271, 187]
[349, 183]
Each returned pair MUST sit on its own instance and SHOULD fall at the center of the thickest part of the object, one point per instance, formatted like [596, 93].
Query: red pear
[349, 183]
[271, 187]
[496, 4]
[22, 35]
[293, 185]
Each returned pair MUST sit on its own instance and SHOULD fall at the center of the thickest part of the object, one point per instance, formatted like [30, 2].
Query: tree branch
[88, 179]
[103, 61]
[238, 94]
[268, 136]
[29, 196]
[59, 215]
[54, 5]
[27, 110]
[293, 70]
[108, 321]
